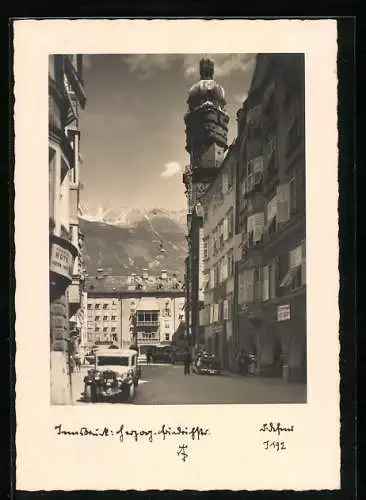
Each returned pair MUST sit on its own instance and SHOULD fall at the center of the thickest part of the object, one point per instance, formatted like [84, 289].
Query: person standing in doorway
[187, 362]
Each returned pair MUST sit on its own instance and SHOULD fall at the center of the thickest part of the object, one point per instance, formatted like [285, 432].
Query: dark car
[161, 355]
[207, 365]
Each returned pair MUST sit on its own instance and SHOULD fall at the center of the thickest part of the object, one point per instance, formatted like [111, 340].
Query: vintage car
[207, 365]
[161, 355]
[114, 377]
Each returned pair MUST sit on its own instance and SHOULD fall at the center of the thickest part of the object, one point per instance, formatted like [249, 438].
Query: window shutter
[265, 283]
[258, 226]
[248, 285]
[225, 229]
[226, 310]
[271, 210]
[251, 224]
[296, 257]
[283, 205]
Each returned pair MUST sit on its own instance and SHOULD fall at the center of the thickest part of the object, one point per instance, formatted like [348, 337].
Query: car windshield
[113, 361]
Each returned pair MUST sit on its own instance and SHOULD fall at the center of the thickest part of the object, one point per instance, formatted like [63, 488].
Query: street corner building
[67, 299]
[144, 311]
[246, 268]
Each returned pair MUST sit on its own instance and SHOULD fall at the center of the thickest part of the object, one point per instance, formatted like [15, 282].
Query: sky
[132, 128]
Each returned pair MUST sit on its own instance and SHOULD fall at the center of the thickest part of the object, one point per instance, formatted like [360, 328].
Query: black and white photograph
[181, 313]
[177, 228]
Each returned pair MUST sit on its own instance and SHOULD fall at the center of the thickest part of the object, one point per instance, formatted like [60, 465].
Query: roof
[115, 352]
[117, 284]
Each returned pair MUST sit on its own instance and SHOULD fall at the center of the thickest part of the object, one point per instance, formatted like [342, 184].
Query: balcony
[145, 340]
[147, 324]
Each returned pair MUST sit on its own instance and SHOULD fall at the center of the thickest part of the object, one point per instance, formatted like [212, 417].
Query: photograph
[177, 229]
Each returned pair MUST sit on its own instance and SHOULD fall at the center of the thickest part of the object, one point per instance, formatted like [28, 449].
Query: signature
[277, 428]
[123, 433]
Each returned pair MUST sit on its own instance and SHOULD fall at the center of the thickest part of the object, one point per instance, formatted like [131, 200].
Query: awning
[148, 304]
[289, 276]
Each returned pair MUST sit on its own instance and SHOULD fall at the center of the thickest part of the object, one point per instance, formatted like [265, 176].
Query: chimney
[164, 274]
[145, 274]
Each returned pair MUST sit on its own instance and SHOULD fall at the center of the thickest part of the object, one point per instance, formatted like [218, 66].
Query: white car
[115, 376]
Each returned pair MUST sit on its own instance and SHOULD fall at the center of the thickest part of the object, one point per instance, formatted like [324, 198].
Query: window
[230, 263]
[230, 219]
[97, 328]
[105, 329]
[105, 306]
[113, 318]
[147, 317]
[113, 329]
[257, 284]
[205, 248]
[97, 318]
[97, 306]
[167, 324]
[105, 318]
[271, 216]
[89, 306]
[246, 285]
[167, 336]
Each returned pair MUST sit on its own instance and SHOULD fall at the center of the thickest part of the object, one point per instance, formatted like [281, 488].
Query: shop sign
[283, 312]
[62, 261]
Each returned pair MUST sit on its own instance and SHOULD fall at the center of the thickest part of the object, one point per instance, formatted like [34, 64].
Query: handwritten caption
[276, 429]
[124, 434]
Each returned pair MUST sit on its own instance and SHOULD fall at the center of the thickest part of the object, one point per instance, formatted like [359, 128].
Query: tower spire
[207, 66]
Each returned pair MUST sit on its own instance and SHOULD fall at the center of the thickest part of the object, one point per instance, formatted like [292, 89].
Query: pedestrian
[148, 357]
[187, 362]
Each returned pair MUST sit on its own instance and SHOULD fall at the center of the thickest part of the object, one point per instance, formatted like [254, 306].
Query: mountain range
[128, 240]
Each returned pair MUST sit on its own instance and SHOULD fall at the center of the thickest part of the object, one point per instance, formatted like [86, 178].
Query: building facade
[218, 259]
[66, 98]
[270, 219]
[142, 310]
[206, 142]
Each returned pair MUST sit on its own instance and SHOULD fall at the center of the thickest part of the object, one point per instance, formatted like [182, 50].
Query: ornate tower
[206, 128]
[206, 142]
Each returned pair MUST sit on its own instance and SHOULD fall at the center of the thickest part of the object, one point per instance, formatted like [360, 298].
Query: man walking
[187, 362]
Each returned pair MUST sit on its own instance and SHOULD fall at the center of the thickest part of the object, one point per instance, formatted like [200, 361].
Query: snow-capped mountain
[127, 216]
[128, 240]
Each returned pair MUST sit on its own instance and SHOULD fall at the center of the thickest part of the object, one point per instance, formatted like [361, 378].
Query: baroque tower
[206, 142]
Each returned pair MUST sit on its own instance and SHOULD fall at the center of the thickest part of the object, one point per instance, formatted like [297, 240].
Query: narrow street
[167, 385]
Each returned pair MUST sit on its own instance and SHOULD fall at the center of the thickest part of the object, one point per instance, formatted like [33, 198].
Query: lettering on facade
[283, 313]
[61, 261]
